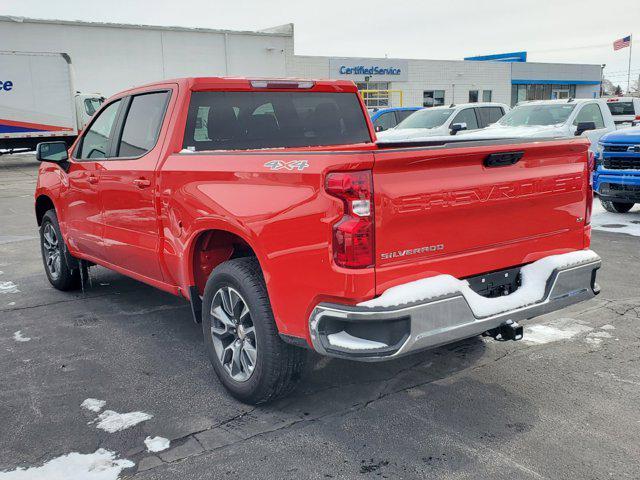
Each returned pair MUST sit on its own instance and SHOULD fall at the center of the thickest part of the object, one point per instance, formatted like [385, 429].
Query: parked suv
[439, 121]
[616, 179]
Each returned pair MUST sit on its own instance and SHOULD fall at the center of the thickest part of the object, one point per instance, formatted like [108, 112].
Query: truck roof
[245, 83]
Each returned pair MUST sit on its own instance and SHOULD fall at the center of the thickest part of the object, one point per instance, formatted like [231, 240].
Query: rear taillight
[591, 167]
[353, 234]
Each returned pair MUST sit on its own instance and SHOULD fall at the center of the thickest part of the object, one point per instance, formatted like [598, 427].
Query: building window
[473, 96]
[375, 94]
[521, 93]
[432, 98]
[486, 95]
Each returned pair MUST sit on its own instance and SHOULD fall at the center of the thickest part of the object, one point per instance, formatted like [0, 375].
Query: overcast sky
[572, 31]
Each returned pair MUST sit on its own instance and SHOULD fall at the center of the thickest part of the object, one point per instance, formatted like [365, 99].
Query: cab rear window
[254, 120]
[621, 108]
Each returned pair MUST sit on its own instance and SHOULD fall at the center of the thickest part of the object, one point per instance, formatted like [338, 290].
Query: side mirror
[585, 126]
[379, 128]
[55, 152]
[458, 127]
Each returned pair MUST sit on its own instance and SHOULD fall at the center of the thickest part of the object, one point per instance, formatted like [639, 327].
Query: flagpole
[629, 71]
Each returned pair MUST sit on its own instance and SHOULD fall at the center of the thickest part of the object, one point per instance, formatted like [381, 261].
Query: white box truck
[38, 102]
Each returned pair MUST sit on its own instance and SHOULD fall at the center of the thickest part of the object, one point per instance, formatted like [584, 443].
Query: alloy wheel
[52, 254]
[233, 334]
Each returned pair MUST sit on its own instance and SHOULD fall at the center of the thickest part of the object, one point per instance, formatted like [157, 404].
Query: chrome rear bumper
[377, 334]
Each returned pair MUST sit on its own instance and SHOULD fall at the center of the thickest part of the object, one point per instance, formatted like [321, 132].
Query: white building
[111, 57]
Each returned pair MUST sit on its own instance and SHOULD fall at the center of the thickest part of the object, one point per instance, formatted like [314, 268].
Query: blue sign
[6, 85]
[362, 70]
[518, 57]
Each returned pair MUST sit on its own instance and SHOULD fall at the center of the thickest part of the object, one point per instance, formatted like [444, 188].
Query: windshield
[537, 115]
[427, 118]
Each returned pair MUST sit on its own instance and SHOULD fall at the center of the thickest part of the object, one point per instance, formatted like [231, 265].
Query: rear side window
[95, 143]
[403, 114]
[142, 124]
[489, 115]
[621, 108]
[590, 113]
[252, 120]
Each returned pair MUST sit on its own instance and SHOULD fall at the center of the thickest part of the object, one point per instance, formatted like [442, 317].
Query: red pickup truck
[270, 207]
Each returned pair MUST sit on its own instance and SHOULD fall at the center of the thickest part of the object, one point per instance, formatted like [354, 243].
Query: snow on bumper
[443, 309]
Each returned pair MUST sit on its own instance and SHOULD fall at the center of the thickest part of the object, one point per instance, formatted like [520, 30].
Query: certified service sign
[376, 69]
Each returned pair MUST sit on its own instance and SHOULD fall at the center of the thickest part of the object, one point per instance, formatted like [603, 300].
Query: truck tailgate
[446, 210]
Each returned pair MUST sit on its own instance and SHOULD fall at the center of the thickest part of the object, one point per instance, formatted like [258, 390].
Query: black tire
[54, 255]
[616, 207]
[278, 366]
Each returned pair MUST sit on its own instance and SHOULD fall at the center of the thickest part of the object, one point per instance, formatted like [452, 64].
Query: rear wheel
[616, 207]
[241, 337]
[54, 252]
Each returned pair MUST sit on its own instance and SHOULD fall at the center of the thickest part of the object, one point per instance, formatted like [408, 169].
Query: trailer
[38, 101]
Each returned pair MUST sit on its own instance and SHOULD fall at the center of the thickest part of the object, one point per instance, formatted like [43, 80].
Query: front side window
[91, 105]
[541, 115]
[255, 120]
[142, 124]
[386, 121]
[590, 113]
[468, 116]
[427, 118]
[403, 114]
[473, 96]
[95, 143]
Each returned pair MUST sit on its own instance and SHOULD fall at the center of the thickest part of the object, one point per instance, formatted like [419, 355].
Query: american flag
[622, 43]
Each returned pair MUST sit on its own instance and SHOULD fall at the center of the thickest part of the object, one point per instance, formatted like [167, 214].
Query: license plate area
[496, 284]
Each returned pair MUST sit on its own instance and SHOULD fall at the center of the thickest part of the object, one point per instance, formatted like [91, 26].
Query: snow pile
[93, 404]
[156, 444]
[18, 337]
[101, 465]
[534, 281]
[344, 340]
[111, 421]
[561, 329]
[8, 287]
[604, 221]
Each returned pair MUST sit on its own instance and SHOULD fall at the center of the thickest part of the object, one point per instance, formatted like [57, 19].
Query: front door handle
[141, 182]
[92, 179]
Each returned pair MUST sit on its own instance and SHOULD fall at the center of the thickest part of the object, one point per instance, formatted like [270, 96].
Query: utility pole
[629, 71]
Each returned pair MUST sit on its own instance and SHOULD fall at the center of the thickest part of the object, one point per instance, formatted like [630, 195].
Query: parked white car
[439, 121]
[552, 118]
[625, 110]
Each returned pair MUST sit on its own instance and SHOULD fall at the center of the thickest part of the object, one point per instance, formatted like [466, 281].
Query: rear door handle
[502, 159]
[92, 179]
[141, 182]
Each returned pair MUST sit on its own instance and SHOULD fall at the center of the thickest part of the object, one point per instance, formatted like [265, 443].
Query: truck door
[82, 216]
[128, 186]
[591, 112]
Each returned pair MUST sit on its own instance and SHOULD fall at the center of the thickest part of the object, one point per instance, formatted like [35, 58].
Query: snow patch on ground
[561, 329]
[93, 404]
[8, 287]
[111, 421]
[595, 338]
[628, 223]
[100, 465]
[18, 337]
[156, 444]
[344, 340]
[534, 281]
[607, 327]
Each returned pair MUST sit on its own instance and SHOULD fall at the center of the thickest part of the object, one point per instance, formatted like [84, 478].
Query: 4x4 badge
[293, 165]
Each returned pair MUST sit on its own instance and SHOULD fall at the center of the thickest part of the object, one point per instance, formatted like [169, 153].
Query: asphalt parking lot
[562, 404]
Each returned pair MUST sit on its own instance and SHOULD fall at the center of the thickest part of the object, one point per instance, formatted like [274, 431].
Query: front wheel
[616, 207]
[241, 337]
[54, 255]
